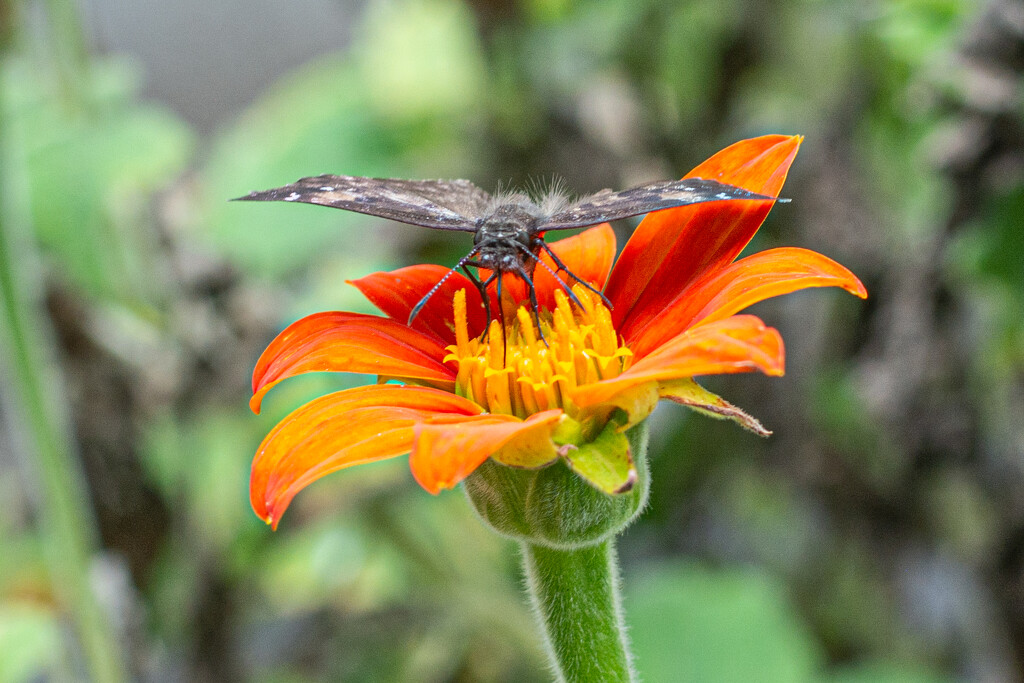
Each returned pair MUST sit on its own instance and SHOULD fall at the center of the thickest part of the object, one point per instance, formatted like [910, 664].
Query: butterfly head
[505, 239]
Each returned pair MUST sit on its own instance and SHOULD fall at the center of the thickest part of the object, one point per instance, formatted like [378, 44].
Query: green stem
[69, 52]
[575, 594]
[32, 386]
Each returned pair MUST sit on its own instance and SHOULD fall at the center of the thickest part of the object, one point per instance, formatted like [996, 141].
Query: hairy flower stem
[575, 595]
[566, 529]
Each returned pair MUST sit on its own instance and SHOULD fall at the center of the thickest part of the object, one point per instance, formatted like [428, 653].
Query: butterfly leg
[496, 275]
[572, 295]
[565, 269]
[533, 302]
[482, 288]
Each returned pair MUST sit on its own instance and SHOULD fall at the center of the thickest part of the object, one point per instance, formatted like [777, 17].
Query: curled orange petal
[339, 430]
[447, 450]
[673, 247]
[336, 341]
[741, 343]
[755, 278]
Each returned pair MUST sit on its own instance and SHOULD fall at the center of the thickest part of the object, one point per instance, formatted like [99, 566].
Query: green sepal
[605, 462]
[554, 506]
[685, 391]
[568, 431]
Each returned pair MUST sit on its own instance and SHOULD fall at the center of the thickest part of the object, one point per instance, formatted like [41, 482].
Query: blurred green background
[877, 536]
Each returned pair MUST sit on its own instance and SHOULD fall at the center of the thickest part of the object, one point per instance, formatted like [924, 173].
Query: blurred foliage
[694, 625]
[31, 640]
[90, 165]
[404, 101]
[875, 537]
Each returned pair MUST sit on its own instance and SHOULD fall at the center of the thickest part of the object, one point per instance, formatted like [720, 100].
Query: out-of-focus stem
[38, 409]
[68, 50]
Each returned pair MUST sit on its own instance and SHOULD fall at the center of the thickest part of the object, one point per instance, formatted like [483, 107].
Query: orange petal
[742, 284]
[671, 248]
[589, 255]
[337, 341]
[447, 450]
[396, 293]
[741, 343]
[339, 430]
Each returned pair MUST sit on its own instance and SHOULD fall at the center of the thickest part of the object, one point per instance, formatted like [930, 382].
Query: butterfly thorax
[506, 239]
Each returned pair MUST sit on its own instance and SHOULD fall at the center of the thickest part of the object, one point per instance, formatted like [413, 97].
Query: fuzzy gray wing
[608, 205]
[442, 204]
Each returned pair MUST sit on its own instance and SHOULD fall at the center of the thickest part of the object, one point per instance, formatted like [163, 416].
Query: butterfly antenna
[572, 295]
[423, 302]
[533, 301]
[561, 266]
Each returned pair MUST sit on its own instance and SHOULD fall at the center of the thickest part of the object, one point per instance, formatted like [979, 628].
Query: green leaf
[606, 461]
[689, 623]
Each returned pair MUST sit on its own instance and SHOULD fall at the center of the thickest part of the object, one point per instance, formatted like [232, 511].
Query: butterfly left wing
[441, 204]
[608, 205]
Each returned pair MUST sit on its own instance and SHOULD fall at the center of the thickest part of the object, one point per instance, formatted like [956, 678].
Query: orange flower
[675, 292]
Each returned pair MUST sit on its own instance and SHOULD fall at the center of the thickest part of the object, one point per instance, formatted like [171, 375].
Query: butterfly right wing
[441, 204]
[608, 205]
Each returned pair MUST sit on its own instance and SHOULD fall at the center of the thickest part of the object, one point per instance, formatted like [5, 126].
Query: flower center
[520, 374]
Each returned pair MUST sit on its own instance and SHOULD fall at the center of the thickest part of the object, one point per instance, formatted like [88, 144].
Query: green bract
[553, 505]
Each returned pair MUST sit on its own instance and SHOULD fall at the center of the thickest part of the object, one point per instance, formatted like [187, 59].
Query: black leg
[568, 291]
[501, 303]
[480, 287]
[533, 301]
[563, 268]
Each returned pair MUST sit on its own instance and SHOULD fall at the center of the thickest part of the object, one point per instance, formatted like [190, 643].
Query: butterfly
[508, 228]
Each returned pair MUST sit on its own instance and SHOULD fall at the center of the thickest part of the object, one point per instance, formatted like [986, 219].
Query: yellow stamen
[461, 327]
[519, 374]
[526, 327]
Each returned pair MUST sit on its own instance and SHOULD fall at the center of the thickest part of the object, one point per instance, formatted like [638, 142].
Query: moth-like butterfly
[508, 228]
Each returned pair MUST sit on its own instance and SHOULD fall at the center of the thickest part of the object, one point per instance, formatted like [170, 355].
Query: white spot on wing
[327, 188]
[292, 197]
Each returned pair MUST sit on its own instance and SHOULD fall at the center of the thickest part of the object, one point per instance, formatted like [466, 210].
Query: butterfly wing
[442, 204]
[608, 205]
